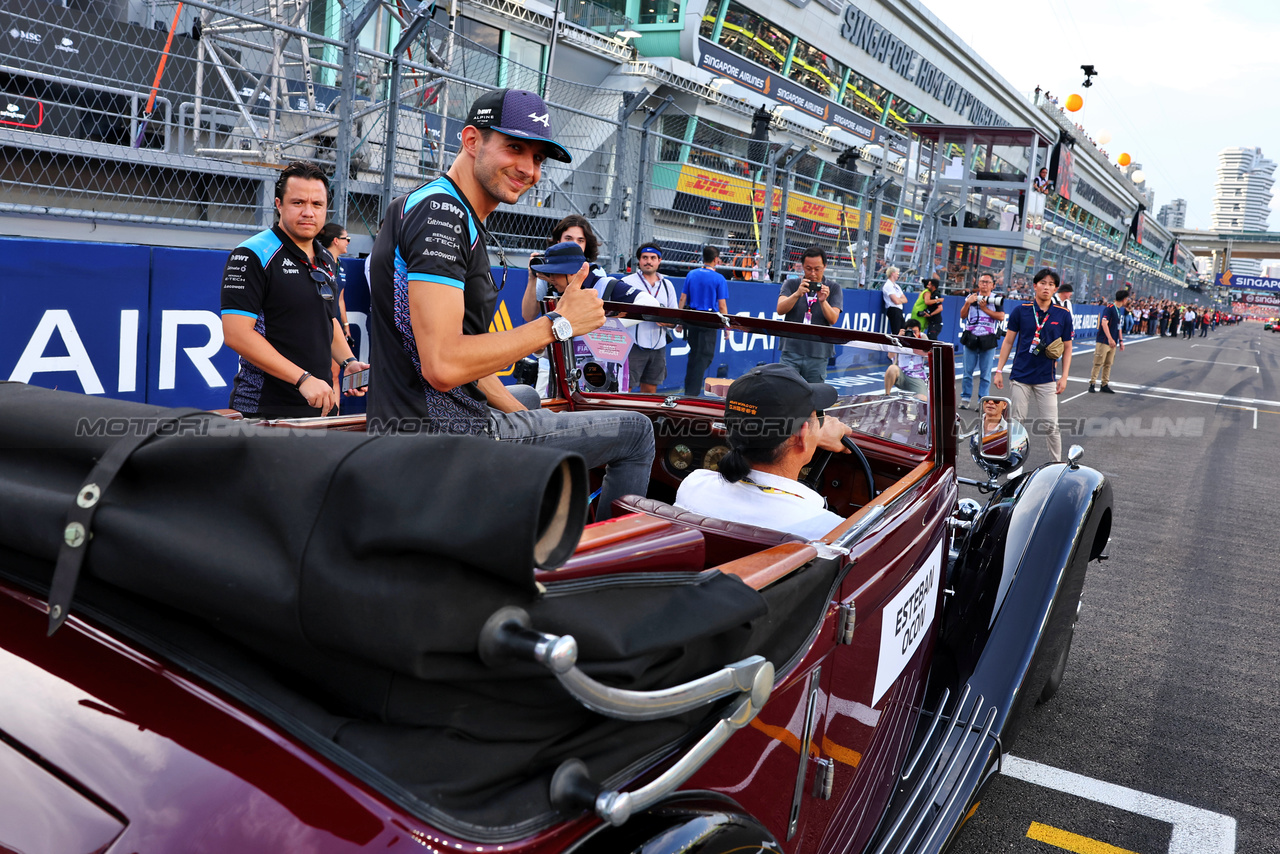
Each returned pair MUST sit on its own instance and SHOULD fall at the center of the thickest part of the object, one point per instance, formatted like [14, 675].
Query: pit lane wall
[141, 323]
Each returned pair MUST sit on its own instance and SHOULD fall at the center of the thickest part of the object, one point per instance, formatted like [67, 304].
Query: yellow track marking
[1069, 841]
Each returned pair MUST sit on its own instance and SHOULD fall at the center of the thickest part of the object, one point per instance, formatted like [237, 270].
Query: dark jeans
[702, 349]
[620, 441]
[812, 368]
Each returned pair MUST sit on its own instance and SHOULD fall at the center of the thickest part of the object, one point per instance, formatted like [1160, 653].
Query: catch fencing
[184, 116]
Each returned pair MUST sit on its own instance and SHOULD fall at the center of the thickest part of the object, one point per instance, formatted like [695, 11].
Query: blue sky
[1178, 80]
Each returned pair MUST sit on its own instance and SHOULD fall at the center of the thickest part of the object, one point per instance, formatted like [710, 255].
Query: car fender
[1017, 581]
[706, 822]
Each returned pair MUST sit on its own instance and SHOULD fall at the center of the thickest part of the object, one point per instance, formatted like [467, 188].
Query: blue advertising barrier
[141, 323]
[76, 316]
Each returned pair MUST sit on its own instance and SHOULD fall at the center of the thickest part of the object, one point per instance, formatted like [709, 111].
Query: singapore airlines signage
[860, 30]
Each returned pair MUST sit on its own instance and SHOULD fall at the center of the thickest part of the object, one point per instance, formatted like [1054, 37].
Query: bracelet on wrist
[301, 380]
[342, 366]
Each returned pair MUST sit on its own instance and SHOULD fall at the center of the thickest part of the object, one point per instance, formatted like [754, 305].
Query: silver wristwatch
[561, 328]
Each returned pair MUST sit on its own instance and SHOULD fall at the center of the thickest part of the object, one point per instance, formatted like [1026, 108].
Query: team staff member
[809, 298]
[648, 358]
[1110, 338]
[1042, 330]
[335, 240]
[705, 289]
[775, 423]
[278, 294]
[434, 296]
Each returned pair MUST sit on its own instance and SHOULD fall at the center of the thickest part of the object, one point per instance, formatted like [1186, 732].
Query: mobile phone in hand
[360, 379]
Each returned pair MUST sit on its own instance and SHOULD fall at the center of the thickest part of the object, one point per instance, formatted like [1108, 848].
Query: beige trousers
[1103, 356]
[1046, 412]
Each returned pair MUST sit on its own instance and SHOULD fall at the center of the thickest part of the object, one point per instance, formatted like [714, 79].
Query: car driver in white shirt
[775, 424]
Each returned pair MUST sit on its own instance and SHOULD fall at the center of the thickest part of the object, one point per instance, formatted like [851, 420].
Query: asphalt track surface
[1172, 691]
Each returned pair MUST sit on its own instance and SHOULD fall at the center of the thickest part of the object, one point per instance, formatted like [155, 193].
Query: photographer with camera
[577, 230]
[1043, 333]
[808, 298]
[981, 313]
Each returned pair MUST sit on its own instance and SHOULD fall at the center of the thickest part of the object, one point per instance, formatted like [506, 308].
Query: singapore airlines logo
[544, 119]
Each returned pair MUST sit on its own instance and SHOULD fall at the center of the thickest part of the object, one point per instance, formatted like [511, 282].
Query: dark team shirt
[1112, 316]
[431, 235]
[1029, 369]
[808, 305]
[268, 278]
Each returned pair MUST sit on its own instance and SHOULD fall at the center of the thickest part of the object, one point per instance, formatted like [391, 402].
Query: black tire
[1059, 670]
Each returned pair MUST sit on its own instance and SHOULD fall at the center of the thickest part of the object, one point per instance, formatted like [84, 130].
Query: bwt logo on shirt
[447, 206]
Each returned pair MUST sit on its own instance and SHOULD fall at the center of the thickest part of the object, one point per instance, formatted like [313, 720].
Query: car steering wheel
[820, 460]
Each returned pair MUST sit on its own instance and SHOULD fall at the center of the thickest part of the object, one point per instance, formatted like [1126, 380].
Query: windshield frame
[941, 402]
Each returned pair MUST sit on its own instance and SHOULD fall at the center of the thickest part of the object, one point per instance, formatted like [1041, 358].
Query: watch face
[562, 329]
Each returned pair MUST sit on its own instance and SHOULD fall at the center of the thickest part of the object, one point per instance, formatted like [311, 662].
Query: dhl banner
[988, 256]
[734, 190]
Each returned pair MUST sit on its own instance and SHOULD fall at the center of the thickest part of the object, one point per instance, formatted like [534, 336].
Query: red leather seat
[725, 541]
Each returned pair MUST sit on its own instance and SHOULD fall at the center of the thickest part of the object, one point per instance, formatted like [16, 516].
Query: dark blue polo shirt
[1029, 369]
[1112, 316]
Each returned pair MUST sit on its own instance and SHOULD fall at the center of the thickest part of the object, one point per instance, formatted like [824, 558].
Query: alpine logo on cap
[544, 119]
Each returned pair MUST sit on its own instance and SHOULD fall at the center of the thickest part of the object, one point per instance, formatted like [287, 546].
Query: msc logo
[708, 184]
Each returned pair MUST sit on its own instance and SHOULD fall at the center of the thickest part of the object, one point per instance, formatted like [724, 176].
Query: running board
[939, 786]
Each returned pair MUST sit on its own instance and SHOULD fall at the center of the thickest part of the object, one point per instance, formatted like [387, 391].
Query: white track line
[1212, 347]
[1213, 398]
[1208, 362]
[1195, 830]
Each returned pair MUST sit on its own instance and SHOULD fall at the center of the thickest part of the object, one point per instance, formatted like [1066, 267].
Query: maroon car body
[936, 630]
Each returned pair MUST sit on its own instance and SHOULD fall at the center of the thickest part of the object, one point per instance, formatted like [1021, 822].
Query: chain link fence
[184, 116]
[184, 119]
[710, 183]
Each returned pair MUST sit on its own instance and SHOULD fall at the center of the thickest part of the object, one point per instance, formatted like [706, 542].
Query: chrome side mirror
[1000, 444]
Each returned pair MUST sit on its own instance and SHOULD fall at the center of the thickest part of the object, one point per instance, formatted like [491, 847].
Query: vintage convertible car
[222, 636]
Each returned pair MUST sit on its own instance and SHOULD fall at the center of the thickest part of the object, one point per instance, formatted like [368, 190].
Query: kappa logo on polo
[287, 266]
[544, 119]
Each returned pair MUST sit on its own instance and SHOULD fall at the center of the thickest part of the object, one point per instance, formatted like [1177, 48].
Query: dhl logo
[708, 184]
[808, 208]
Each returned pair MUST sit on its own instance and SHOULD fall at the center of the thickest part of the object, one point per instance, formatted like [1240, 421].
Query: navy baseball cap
[766, 405]
[562, 259]
[518, 113]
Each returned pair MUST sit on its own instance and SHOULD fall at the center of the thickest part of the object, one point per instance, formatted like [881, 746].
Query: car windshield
[855, 363]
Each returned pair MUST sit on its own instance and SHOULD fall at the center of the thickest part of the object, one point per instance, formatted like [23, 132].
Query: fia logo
[544, 119]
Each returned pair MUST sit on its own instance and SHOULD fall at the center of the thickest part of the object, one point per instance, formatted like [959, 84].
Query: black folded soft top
[339, 582]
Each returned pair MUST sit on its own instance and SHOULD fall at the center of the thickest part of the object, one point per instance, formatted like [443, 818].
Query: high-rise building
[1242, 196]
[1174, 214]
